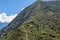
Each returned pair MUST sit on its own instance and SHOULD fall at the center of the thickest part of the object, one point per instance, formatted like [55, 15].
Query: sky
[10, 8]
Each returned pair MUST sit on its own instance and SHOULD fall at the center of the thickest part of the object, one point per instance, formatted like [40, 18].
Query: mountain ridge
[39, 21]
[3, 24]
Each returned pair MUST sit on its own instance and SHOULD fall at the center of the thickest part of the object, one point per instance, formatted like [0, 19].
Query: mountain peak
[47, 0]
[41, 20]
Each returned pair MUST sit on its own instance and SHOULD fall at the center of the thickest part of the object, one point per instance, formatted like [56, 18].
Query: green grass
[41, 21]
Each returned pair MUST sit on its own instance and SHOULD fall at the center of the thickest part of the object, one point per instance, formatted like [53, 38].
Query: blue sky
[13, 6]
[10, 8]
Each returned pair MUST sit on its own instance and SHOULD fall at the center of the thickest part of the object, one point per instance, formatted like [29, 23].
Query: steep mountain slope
[22, 16]
[39, 21]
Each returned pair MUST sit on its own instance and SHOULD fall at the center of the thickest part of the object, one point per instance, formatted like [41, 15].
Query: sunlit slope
[41, 21]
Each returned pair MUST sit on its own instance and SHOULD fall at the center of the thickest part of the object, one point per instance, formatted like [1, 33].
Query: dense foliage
[39, 21]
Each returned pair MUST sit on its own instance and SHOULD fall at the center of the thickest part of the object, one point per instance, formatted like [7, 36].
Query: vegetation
[39, 21]
[32, 31]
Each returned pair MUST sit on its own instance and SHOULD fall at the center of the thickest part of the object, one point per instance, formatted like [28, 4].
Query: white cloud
[4, 18]
[22, 9]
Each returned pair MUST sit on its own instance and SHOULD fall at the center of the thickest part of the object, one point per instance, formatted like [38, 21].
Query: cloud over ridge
[4, 18]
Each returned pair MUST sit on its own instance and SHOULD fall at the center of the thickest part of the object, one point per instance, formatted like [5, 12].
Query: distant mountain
[39, 21]
[3, 25]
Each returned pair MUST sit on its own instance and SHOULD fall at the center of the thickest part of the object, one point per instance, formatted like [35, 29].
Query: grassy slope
[42, 24]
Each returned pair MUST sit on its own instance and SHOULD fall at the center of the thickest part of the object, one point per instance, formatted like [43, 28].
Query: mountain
[2, 25]
[39, 21]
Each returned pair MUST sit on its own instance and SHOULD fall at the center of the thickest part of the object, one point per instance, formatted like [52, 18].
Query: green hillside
[39, 21]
